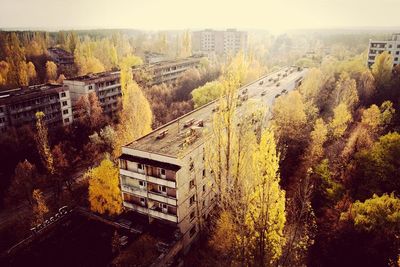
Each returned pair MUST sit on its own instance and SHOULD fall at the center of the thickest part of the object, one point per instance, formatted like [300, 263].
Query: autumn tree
[85, 59]
[345, 92]
[15, 57]
[136, 116]
[61, 167]
[104, 192]
[318, 137]
[89, 111]
[382, 68]
[266, 213]
[51, 71]
[340, 120]
[376, 214]
[186, 45]
[289, 117]
[42, 143]
[206, 93]
[300, 228]
[366, 87]
[311, 85]
[375, 118]
[40, 208]
[4, 69]
[31, 71]
[377, 168]
[23, 183]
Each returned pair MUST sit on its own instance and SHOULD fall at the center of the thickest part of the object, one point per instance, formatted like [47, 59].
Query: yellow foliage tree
[104, 192]
[318, 137]
[136, 116]
[289, 116]
[40, 208]
[340, 120]
[42, 143]
[51, 71]
[266, 213]
[382, 68]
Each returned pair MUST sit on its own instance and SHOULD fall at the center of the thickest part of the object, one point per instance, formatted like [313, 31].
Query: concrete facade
[164, 71]
[19, 106]
[106, 85]
[219, 43]
[377, 47]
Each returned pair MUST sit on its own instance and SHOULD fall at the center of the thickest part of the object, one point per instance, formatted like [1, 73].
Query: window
[162, 173]
[65, 111]
[204, 173]
[397, 52]
[192, 200]
[64, 103]
[66, 120]
[1, 109]
[192, 231]
[140, 168]
[204, 203]
[396, 58]
[142, 201]
[142, 184]
[162, 189]
[191, 184]
[63, 94]
[204, 188]
[192, 215]
[163, 207]
[90, 87]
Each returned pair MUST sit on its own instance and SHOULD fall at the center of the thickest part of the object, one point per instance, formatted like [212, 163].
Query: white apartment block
[163, 174]
[219, 43]
[378, 47]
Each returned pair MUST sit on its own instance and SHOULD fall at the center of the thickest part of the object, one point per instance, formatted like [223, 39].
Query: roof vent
[162, 134]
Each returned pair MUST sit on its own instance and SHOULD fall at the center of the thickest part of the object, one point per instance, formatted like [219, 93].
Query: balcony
[135, 207]
[162, 198]
[134, 190]
[161, 215]
[153, 212]
[152, 179]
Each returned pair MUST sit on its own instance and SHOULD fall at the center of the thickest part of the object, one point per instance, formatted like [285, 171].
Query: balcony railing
[153, 212]
[152, 179]
[161, 215]
[134, 190]
[170, 200]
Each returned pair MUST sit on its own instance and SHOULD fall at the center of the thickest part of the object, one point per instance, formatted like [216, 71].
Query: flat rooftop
[173, 62]
[25, 93]
[94, 77]
[178, 141]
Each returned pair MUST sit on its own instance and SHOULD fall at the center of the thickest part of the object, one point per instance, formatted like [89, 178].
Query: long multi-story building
[378, 47]
[220, 43]
[18, 107]
[106, 85]
[61, 57]
[167, 71]
[163, 174]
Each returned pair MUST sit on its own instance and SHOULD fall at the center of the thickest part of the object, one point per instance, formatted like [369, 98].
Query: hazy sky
[272, 15]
